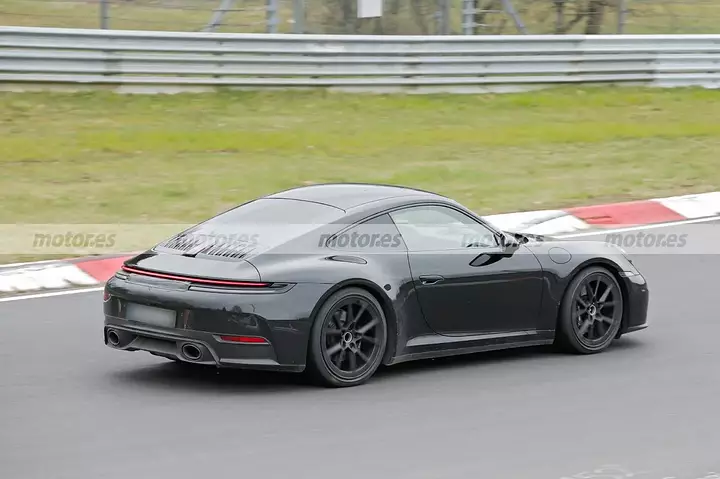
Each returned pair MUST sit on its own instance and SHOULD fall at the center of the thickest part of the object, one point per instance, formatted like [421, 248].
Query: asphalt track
[72, 408]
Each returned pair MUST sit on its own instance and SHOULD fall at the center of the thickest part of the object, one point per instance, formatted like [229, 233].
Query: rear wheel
[591, 312]
[348, 339]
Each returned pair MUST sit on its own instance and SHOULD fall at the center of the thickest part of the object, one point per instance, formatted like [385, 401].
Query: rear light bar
[214, 282]
[243, 339]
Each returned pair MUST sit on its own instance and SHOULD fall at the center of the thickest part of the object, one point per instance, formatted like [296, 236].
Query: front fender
[559, 270]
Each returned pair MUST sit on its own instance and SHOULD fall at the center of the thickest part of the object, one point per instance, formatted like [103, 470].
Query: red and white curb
[58, 275]
[48, 276]
[614, 215]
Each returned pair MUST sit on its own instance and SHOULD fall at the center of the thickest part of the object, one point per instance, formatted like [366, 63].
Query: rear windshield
[277, 211]
[261, 223]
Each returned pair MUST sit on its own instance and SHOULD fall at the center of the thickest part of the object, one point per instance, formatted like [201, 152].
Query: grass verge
[108, 158]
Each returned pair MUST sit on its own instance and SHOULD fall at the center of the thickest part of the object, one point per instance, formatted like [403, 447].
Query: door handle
[431, 279]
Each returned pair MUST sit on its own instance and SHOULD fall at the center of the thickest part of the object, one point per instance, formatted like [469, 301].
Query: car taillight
[106, 296]
[191, 279]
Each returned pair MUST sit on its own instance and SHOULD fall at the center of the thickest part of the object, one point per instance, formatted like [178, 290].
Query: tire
[590, 314]
[347, 340]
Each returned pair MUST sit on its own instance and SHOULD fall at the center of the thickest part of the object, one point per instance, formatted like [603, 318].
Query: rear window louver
[237, 251]
[193, 246]
[182, 243]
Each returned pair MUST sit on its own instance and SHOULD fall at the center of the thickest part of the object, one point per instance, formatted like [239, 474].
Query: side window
[377, 235]
[433, 228]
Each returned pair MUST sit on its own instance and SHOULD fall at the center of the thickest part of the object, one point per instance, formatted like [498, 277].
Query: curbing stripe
[102, 269]
[538, 222]
[58, 276]
[694, 206]
[50, 294]
[626, 214]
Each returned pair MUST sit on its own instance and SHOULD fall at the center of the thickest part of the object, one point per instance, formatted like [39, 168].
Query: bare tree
[419, 11]
[595, 16]
[590, 11]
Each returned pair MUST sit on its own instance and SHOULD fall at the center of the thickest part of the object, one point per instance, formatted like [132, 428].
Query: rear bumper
[212, 351]
[202, 316]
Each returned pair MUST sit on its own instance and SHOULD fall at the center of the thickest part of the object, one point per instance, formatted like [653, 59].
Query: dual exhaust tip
[189, 351]
[113, 337]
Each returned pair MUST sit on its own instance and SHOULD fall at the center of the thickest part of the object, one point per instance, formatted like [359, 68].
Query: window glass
[431, 228]
[377, 235]
[278, 211]
[260, 224]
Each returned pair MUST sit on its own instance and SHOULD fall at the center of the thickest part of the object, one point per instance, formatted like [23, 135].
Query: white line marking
[49, 295]
[30, 263]
[640, 227]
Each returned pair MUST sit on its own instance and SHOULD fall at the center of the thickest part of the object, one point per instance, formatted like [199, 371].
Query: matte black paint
[486, 299]
[469, 298]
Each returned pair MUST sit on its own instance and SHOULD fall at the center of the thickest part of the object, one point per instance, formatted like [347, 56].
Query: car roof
[350, 195]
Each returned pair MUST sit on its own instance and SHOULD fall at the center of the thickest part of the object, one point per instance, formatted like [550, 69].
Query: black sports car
[338, 279]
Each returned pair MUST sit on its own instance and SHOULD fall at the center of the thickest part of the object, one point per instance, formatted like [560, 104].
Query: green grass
[108, 158]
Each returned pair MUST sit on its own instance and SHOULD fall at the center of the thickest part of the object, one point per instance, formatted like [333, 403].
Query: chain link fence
[400, 17]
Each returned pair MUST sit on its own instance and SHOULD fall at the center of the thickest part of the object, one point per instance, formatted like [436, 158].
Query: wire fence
[400, 17]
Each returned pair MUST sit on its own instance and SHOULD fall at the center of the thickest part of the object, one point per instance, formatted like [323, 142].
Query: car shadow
[180, 376]
[495, 358]
[189, 377]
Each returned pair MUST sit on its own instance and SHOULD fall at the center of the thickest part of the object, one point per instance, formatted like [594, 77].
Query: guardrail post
[468, 17]
[443, 17]
[622, 12]
[104, 14]
[272, 16]
[298, 16]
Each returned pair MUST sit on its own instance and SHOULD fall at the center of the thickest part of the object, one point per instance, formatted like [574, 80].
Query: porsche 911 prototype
[337, 280]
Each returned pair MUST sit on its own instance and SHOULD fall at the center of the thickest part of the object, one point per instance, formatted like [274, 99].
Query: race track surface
[71, 408]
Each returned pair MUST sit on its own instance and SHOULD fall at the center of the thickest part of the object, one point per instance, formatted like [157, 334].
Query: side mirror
[508, 246]
[509, 243]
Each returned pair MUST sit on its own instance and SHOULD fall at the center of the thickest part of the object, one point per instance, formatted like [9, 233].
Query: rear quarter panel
[386, 275]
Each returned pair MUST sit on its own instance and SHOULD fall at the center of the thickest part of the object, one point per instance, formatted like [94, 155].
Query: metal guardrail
[172, 61]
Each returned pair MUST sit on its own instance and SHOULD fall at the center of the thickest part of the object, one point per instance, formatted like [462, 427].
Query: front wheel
[348, 339]
[591, 312]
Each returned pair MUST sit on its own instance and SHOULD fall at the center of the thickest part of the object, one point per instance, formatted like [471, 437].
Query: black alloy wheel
[348, 339]
[592, 311]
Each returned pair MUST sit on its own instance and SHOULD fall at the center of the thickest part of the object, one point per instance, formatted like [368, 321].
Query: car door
[466, 281]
